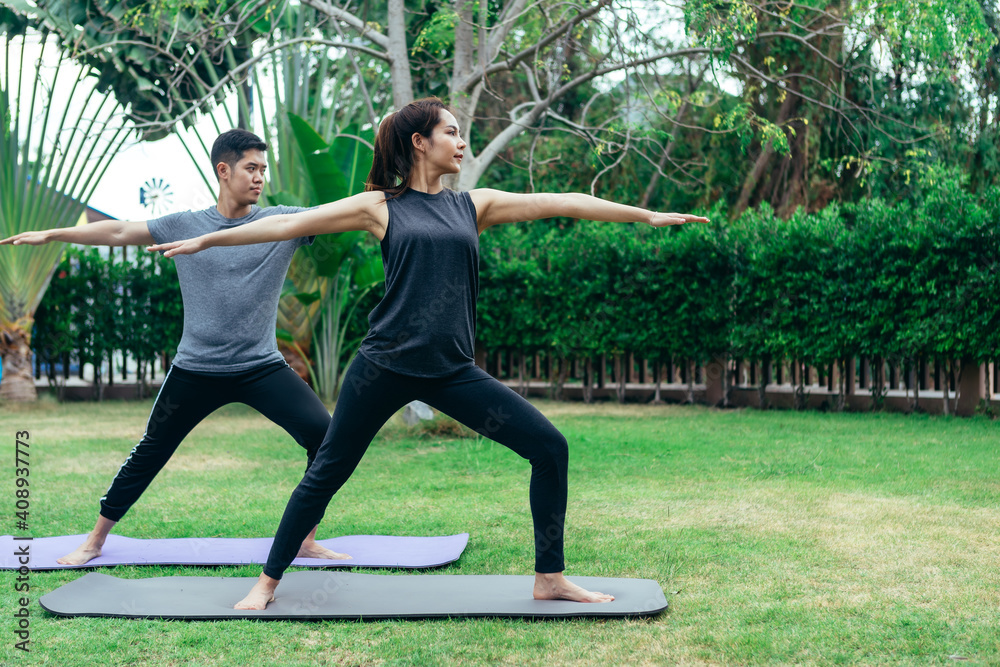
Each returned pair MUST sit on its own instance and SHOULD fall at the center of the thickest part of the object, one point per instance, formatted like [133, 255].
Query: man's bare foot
[313, 549]
[261, 593]
[554, 586]
[91, 547]
[84, 553]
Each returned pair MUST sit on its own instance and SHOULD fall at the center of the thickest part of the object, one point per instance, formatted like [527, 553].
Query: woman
[420, 342]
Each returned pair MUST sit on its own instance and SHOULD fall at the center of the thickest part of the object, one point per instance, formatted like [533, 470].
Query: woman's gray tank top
[425, 325]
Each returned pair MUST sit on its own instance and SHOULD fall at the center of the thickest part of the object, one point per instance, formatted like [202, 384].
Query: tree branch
[365, 29]
[234, 75]
[512, 61]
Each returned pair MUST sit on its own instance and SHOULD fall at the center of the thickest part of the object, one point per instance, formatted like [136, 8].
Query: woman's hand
[185, 247]
[667, 219]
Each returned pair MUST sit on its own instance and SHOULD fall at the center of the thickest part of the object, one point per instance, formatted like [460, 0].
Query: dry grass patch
[553, 409]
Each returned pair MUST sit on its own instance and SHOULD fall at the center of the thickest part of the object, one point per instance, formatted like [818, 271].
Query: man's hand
[28, 238]
[667, 219]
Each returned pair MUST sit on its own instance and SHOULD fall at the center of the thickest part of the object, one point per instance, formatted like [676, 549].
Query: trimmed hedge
[872, 279]
[94, 307]
[892, 281]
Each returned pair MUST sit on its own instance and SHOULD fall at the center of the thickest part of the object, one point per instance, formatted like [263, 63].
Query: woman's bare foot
[261, 593]
[554, 586]
[311, 549]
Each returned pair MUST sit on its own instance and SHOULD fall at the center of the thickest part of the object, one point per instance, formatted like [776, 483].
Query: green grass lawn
[778, 537]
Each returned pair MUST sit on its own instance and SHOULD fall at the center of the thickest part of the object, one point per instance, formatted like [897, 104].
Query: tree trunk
[841, 385]
[945, 383]
[958, 384]
[560, 381]
[727, 386]
[463, 102]
[522, 387]
[658, 377]
[99, 380]
[878, 389]
[399, 63]
[18, 383]
[767, 182]
[588, 381]
[620, 376]
[799, 399]
[765, 376]
[690, 389]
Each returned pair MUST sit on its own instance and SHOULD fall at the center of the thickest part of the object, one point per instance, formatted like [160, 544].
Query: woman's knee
[315, 432]
[553, 452]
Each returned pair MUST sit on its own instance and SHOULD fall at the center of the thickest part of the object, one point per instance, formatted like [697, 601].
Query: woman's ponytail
[382, 175]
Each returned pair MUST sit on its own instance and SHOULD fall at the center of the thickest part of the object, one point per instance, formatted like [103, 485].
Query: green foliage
[933, 32]
[348, 265]
[141, 50]
[51, 159]
[720, 25]
[688, 293]
[95, 307]
[152, 316]
[789, 299]
[436, 38]
[605, 289]
[885, 280]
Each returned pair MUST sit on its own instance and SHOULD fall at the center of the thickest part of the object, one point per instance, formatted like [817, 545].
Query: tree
[865, 94]
[53, 151]
[511, 68]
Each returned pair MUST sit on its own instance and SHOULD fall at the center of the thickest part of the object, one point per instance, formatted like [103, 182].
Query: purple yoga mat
[365, 551]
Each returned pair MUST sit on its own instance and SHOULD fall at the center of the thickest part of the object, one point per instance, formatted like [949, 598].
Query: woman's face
[444, 149]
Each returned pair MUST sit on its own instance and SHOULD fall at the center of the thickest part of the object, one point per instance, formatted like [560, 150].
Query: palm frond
[54, 148]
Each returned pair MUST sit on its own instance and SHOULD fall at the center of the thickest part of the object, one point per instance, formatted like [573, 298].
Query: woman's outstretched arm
[494, 207]
[363, 212]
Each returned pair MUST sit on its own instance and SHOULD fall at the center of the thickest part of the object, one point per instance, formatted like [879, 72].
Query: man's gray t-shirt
[230, 293]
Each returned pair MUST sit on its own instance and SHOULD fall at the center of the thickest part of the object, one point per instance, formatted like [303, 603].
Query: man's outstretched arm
[105, 232]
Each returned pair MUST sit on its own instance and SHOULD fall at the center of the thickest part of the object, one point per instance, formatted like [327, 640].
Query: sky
[138, 163]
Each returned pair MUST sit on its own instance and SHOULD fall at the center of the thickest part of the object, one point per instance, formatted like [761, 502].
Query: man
[228, 351]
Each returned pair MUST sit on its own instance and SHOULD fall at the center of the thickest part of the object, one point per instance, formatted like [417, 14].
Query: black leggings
[371, 394]
[186, 398]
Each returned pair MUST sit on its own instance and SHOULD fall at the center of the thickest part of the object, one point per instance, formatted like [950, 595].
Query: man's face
[245, 180]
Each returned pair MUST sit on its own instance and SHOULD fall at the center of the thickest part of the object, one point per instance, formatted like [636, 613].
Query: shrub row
[897, 281]
[95, 307]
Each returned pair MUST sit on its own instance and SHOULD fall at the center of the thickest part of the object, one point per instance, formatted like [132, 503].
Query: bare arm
[495, 207]
[105, 232]
[365, 212]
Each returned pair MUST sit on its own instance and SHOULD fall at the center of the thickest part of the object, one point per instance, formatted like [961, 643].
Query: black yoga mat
[315, 595]
[365, 551]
